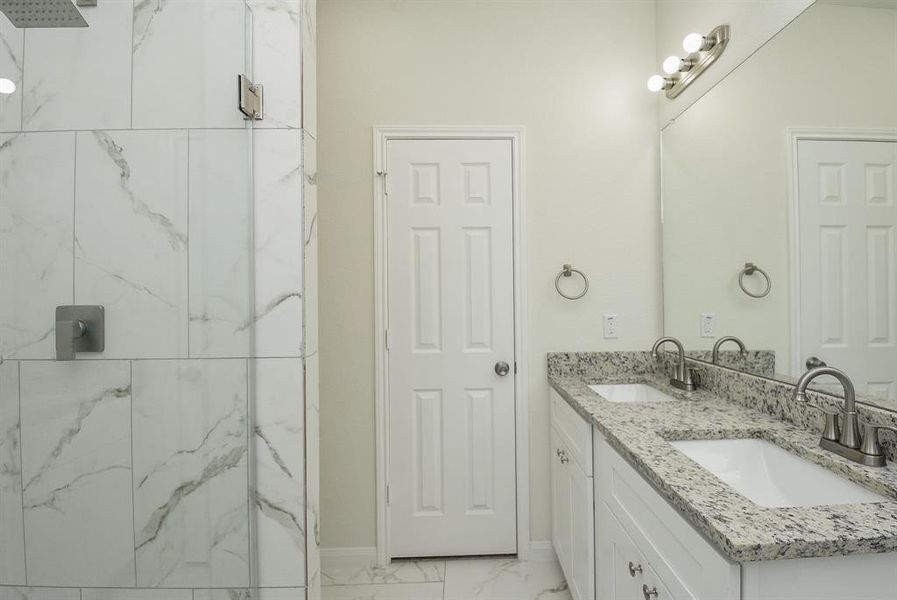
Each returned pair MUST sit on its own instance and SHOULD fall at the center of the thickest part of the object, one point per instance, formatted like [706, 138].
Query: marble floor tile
[379, 591]
[504, 579]
[424, 571]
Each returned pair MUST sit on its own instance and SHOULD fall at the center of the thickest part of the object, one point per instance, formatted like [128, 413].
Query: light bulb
[7, 86]
[693, 42]
[672, 64]
[656, 83]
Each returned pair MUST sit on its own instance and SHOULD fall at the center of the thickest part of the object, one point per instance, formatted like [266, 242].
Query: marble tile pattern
[12, 542]
[275, 62]
[37, 172]
[278, 220]
[190, 473]
[139, 189]
[187, 56]
[131, 238]
[76, 473]
[220, 246]
[742, 530]
[61, 87]
[309, 66]
[279, 504]
[456, 579]
[12, 65]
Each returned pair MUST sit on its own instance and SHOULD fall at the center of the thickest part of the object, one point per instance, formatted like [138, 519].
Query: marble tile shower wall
[125, 179]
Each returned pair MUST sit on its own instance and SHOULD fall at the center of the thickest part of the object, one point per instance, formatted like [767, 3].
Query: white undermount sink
[772, 477]
[631, 393]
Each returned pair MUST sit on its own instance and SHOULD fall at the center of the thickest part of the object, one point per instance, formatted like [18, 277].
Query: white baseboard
[542, 552]
[348, 557]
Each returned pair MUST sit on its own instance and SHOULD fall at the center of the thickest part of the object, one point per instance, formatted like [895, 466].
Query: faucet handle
[832, 429]
[870, 438]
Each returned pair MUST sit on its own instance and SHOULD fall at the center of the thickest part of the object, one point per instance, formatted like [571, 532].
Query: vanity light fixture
[7, 86]
[659, 82]
[703, 50]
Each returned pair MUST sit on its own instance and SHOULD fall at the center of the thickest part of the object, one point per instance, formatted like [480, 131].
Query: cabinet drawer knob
[564, 459]
[634, 568]
[649, 592]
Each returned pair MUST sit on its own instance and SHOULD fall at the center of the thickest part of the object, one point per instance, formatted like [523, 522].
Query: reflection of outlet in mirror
[707, 323]
[610, 327]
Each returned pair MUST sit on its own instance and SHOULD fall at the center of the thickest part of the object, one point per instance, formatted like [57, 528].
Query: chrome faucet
[844, 438]
[729, 338]
[684, 378]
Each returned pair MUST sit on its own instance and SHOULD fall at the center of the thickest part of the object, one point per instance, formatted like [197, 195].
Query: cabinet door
[615, 553]
[560, 505]
[582, 534]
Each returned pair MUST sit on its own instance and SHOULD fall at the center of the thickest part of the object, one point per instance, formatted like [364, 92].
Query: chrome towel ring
[568, 271]
[751, 269]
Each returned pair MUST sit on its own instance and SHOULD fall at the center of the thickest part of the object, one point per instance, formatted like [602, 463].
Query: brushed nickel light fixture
[703, 50]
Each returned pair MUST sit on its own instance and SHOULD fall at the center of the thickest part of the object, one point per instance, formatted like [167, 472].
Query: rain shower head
[42, 13]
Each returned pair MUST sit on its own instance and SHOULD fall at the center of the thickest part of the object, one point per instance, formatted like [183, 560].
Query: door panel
[848, 278]
[452, 460]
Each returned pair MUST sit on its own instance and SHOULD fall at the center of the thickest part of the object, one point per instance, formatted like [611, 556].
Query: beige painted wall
[726, 179]
[572, 73]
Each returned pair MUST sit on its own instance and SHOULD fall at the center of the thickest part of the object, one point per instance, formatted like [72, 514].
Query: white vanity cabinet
[572, 498]
[669, 559]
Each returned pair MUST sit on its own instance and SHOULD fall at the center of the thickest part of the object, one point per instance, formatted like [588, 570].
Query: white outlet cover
[610, 326]
[708, 323]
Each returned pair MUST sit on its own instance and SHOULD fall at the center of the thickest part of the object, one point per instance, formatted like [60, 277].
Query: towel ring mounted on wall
[751, 269]
[568, 271]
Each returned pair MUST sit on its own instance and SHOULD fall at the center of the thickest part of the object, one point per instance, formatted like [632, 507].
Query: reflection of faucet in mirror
[684, 378]
[844, 438]
[729, 338]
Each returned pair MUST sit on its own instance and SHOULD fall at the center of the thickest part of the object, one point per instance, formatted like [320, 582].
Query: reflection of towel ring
[750, 269]
[568, 271]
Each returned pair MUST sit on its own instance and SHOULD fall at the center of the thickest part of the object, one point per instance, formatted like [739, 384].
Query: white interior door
[452, 472]
[848, 260]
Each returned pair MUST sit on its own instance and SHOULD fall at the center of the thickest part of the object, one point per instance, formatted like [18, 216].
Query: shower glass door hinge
[251, 99]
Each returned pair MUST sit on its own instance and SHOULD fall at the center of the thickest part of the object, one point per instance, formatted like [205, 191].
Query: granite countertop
[744, 531]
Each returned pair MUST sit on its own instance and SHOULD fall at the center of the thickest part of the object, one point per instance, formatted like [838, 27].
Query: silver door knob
[502, 368]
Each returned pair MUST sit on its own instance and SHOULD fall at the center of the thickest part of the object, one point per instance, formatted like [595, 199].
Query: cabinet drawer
[575, 432]
[689, 566]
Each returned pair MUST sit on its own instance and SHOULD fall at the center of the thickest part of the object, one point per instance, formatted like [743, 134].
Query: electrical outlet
[708, 322]
[610, 327]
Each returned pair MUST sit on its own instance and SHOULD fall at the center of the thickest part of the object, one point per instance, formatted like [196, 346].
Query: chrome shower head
[42, 13]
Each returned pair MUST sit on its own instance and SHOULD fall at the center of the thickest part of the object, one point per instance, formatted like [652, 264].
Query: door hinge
[386, 338]
[387, 494]
[251, 99]
[515, 367]
[382, 175]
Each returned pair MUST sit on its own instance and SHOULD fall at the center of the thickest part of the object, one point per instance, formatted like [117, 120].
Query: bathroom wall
[573, 74]
[730, 196]
[752, 24]
[129, 179]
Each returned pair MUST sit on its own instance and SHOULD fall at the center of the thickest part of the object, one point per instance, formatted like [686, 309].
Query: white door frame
[794, 137]
[515, 135]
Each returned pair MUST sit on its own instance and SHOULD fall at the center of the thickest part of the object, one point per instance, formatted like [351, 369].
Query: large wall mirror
[790, 164]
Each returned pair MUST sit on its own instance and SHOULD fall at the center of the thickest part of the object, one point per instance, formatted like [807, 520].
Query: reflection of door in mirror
[847, 261]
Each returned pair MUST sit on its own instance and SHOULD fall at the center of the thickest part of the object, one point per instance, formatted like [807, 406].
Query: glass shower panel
[126, 182]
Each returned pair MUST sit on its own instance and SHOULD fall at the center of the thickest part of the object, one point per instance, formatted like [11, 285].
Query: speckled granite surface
[744, 531]
[758, 362]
